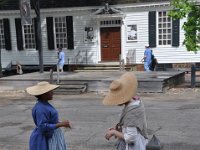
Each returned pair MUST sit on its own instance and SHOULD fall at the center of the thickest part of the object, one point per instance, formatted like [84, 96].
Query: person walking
[47, 134]
[61, 60]
[131, 131]
[147, 58]
[154, 62]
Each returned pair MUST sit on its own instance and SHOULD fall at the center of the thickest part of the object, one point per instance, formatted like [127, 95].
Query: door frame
[122, 33]
[111, 41]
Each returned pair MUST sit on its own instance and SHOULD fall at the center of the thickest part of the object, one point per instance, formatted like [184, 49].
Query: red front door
[110, 44]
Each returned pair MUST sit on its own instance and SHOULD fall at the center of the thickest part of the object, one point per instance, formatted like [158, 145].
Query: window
[60, 32]
[29, 36]
[110, 22]
[2, 36]
[164, 29]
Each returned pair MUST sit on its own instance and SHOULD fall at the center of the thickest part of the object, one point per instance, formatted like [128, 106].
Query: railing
[193, 75]
[131, 57]
[121, 64]
[80, 58]
[51, 75]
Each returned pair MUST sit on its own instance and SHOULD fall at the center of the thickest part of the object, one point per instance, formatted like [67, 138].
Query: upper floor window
[164, 29]
[29, 36]
[2, 36]
[60, 32]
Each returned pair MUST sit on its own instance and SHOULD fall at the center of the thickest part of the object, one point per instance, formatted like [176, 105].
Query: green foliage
[191, 11]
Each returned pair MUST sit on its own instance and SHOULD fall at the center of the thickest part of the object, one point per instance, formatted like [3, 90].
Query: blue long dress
[45, 117]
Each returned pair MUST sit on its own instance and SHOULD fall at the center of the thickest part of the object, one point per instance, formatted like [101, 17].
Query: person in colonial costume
[131, 131]
[47, 134]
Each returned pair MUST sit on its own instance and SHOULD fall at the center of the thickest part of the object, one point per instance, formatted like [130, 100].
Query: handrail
[131, 57]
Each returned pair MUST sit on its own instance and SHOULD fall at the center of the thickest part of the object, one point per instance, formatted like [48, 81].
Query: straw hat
[122, 90]
[41, 88]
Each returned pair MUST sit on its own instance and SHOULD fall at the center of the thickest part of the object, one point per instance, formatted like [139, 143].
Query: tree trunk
[1, 74]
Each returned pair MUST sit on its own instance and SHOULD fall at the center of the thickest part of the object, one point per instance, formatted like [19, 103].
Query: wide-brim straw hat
[41, 88]
[122, 90]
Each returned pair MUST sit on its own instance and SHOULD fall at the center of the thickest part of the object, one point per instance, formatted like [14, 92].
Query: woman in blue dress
[47, 134]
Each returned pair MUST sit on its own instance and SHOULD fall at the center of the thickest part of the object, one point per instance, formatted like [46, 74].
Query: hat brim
[128, 90]
[36, 90]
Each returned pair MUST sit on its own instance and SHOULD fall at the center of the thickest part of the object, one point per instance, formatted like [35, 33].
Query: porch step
[70, 88]
[100, 67]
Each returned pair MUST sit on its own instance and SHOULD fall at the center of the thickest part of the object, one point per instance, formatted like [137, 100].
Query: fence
[193, 75]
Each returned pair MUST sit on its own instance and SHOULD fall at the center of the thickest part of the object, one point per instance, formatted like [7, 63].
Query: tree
[191, 11]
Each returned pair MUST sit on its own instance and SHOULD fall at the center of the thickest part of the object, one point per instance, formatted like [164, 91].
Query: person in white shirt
[61, 60]
[131, 131]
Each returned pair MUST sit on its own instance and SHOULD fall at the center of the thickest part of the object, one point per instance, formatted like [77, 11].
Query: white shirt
[134, 140]
[61, 57]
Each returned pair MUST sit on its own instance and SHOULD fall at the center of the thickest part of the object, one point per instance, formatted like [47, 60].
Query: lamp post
[1, 74]
[36, 6]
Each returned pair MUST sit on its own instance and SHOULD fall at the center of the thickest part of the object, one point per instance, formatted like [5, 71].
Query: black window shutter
[6, 24]
[36, 33]
[18, 27]
[152, 28]
[175, 32]
[50, 33]
[70, 32]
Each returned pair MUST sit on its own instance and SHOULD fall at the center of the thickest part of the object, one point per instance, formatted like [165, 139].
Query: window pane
[2, 37]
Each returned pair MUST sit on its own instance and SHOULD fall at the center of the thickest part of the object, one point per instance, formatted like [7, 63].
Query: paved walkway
[173, 116]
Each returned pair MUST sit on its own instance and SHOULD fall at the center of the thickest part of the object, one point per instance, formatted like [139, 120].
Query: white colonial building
[93, 32]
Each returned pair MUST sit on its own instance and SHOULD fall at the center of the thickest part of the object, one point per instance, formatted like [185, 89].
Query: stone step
[67, 89]
[85, 69]
[103, 67]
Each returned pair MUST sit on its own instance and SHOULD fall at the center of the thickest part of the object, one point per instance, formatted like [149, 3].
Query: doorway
[110, 43]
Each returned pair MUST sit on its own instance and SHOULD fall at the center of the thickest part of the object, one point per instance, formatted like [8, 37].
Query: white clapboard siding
[163, 54]
[176, 54]
[82, 19]
[80, 22]
[141, 20]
